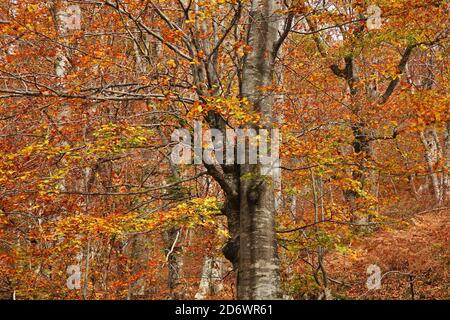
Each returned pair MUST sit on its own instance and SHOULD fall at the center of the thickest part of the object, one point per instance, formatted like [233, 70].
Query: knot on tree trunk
[231, 251]
[253, 193]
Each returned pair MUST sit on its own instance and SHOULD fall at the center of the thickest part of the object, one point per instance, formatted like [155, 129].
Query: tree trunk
[431, 144]
[447, 160]
[258, 268]
[139, 256]
[174, 263]
[211, 282]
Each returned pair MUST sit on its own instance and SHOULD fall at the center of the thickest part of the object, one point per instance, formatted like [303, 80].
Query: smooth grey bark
[258, 268]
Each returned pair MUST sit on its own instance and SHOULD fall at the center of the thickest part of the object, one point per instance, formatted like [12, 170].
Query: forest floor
[413, 254]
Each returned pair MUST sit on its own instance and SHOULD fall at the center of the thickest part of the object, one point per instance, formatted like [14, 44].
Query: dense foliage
[92, 90]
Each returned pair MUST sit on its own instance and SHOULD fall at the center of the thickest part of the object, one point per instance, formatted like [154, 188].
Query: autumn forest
[128, 130]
